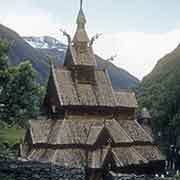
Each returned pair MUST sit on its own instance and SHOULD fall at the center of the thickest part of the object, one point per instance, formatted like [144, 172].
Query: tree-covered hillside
[160, 93]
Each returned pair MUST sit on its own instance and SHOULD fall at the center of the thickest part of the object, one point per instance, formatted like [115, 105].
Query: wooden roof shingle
[135, 131]
[127, 156]
[101, 93]
[150, 152]
[85, 58]
[117, 132]
[63, 157]
[76, 131]
[126, 99]
[123, 157]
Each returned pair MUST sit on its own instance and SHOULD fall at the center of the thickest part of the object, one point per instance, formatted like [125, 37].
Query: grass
[11, 135]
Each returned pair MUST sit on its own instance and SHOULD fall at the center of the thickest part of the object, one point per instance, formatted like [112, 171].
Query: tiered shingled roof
[123, 156]
[76, 131]
[86, 128]
[100, 93]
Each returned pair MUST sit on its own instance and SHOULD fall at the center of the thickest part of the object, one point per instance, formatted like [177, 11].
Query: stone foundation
[18, 170]
[30, 170]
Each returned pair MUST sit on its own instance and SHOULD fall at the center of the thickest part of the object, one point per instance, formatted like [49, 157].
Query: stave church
[87, 124]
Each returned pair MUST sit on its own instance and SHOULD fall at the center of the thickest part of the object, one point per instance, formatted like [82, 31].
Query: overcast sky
[139, 32]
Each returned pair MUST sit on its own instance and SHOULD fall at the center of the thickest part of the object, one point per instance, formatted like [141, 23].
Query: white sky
[137, 51]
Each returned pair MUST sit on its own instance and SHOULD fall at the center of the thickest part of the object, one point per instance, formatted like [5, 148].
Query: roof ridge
[56, 84]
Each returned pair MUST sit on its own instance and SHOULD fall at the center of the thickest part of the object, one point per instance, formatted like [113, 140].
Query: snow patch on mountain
[45, 42]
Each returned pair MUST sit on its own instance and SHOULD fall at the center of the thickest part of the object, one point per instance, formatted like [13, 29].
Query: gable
[75, 57]
[52, 96]
[68, 62]
[104, 137]
[118, 134]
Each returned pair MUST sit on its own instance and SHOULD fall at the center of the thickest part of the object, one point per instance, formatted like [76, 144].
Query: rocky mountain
[160, 92]
[38, 50]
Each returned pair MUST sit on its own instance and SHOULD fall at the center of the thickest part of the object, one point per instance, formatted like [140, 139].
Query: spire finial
[81, 20]
[81, 4]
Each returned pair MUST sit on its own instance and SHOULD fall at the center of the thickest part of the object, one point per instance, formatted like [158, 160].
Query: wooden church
[87, 123]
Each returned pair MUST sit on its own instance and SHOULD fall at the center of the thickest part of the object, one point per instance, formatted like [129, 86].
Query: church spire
[80, 52]
[81, 35]
[81, 20]
[81, 3]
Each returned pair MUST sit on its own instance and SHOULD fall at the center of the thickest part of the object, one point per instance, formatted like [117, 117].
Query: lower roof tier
[87, 131]
[121, 142]
[119, 156]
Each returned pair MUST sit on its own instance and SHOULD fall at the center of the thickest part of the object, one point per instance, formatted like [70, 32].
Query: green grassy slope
[11, 135]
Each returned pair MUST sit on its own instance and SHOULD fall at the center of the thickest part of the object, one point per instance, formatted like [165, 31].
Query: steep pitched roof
[74, 57]
[40, 130]
[74, 93]
[117, 132]
[76, 130]
[81, 36]
[135, 131]
[101, 93]
[126, 99]
[123, 156]
[150, 152]
[127, 156]
[64, 84]
[70, 157]
[43, 155]
[62, 157]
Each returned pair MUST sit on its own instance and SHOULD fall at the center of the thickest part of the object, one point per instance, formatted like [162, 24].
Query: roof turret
[145, 114]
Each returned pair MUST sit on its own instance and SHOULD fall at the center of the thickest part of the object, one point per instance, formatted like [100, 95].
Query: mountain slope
[119, 76]
[48, 47]
[21, 50]
[160, 91]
